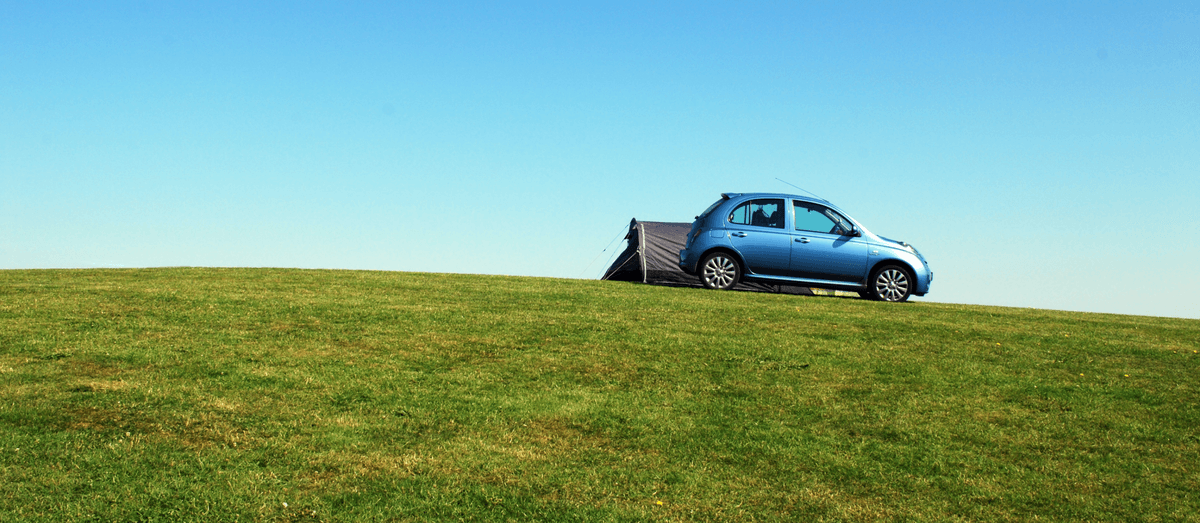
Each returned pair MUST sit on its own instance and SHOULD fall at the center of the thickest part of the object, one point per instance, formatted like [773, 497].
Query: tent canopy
[652, 256]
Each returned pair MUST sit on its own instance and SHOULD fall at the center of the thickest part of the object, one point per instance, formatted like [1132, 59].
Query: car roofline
[732, 195]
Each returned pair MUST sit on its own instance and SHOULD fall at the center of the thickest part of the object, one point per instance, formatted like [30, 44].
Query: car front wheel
[719, 271]
[891, 283]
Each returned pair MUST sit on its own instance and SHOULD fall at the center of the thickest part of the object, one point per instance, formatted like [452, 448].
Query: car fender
[725, 249]
[899, 258]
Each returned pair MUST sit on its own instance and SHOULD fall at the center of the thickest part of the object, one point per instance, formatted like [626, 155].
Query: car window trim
[782, 208]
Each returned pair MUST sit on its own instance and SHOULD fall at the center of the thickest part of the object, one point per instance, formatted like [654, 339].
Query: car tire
[891, 283]
[719, 271]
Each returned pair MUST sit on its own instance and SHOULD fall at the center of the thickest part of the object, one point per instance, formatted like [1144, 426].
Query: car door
[757, 231]
[823, 247]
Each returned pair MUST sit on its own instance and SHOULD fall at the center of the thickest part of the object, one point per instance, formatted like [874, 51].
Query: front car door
[822, 246]
[757, 230]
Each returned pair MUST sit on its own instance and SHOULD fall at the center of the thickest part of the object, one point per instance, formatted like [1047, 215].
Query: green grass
[222, 394]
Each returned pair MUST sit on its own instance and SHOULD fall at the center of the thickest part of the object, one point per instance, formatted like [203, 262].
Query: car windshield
[842, 222]
[710, 209]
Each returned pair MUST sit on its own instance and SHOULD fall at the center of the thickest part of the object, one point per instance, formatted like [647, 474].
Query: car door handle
[739, 234]
[802, 240]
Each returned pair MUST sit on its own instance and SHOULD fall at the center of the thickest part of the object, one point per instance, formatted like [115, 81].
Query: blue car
[801, 241]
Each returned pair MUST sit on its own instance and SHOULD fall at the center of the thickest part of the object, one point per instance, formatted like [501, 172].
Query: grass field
[296, 395]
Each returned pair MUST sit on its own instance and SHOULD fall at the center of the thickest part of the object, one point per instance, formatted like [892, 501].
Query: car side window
[818, 218]
[760, 213]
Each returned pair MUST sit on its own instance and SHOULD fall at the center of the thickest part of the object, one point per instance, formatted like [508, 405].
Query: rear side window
[759, 213]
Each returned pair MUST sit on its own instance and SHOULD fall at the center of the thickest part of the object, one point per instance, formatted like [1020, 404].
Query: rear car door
[757, 231]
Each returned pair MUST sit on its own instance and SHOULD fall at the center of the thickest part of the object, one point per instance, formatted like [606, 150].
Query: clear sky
[1040, 154]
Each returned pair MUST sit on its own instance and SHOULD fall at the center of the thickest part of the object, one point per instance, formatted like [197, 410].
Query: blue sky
[1040, 154]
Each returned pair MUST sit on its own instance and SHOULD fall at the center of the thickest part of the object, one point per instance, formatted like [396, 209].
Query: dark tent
[652, 256]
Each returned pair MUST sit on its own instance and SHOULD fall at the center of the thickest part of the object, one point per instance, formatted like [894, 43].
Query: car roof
[732, 195]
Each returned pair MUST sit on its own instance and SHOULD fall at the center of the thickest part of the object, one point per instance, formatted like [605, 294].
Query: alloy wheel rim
[720, 272]
[891, 285]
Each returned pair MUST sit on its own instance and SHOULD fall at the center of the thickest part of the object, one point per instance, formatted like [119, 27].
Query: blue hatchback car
[797, 240]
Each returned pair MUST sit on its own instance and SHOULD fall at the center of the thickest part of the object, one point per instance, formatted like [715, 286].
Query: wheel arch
[721, 248]
[890, 261]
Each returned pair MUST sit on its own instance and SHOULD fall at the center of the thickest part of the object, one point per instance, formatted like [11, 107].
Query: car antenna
[805, 190]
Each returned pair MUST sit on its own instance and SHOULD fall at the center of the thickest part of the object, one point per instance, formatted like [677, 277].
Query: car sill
[801, 282]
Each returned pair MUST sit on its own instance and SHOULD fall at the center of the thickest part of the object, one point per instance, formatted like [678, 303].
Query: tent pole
[642, 248]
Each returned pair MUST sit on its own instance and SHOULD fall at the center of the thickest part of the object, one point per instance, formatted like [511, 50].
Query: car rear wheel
[891, 283]
[719, 271]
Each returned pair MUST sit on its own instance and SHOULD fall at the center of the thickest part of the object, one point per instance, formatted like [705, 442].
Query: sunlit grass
[224, 394]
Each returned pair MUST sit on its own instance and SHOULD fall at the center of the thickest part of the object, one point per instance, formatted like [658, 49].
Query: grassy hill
[295, 395]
